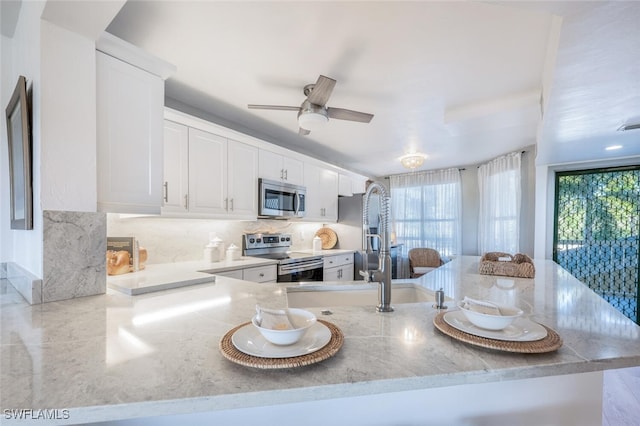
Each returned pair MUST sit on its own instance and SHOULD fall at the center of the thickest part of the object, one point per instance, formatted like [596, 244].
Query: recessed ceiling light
[613, 147]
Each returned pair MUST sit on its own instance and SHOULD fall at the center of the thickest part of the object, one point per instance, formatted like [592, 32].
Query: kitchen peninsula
[114, 356]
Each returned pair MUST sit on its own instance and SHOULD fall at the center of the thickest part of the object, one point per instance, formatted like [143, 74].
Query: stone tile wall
[74, 250]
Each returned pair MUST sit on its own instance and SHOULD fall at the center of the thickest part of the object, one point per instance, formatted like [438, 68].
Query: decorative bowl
[503, 317]
[301, 321]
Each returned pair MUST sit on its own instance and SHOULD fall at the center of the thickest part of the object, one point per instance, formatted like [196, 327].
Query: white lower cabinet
[258, 274]
[338, 267]
[261, 274]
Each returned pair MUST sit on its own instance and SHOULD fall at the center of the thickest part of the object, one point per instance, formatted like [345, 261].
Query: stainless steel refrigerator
[350, 213]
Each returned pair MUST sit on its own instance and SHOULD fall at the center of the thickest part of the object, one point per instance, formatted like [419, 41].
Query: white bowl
[490, 321]
[300, 319]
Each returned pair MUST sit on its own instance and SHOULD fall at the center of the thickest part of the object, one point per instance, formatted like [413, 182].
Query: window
[499, 216]
[425, 209]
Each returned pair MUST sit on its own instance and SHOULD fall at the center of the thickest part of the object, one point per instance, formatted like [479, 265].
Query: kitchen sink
[310, 296]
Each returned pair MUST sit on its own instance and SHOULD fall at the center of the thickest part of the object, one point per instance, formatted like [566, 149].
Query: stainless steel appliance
[293, 266]
[350, 213]
[280, 200]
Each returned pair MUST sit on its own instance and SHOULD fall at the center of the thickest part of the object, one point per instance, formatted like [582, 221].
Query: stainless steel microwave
[281, 200]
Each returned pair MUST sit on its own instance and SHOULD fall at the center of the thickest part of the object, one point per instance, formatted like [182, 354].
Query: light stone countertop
[165, 276]
[114, 356]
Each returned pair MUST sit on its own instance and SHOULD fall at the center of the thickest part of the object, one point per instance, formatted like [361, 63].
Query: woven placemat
[230, 352]
[549, 343]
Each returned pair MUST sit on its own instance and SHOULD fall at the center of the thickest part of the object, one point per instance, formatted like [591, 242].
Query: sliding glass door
[597, 232]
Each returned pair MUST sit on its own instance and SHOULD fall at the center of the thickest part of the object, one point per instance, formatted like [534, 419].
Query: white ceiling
[459, 81]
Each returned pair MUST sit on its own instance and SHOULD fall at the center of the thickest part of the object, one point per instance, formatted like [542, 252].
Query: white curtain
[425, 210]
[500, 194]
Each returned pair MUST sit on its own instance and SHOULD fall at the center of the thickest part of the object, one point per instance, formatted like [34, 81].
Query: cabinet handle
[281, 173]
[186, 201]
[166, 192]
[286, 174]
[232, 204]
[339, 273]
[261, 275]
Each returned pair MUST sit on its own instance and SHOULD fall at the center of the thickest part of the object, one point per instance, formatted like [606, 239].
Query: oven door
[279, 199]
[301, 272]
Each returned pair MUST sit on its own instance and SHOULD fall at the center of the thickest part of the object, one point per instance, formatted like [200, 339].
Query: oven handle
[300, 266]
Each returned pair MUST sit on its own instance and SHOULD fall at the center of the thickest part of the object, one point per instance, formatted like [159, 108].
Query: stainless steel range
[293, 266]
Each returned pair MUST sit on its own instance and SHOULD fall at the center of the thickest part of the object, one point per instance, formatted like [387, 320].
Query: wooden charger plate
[549, 343]
[230, 352]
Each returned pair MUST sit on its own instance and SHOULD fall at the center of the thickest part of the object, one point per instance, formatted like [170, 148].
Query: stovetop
[288, 256]
[273, 246]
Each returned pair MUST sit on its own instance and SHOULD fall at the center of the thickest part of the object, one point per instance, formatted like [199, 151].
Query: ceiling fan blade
[321, 90]
[303, 132]
[274, 107]
[347, 114]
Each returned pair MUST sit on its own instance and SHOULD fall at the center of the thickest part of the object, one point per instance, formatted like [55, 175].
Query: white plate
[249, 340]
[520, 330]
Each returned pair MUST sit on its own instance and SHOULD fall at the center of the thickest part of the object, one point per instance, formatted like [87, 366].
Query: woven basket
[518, 266]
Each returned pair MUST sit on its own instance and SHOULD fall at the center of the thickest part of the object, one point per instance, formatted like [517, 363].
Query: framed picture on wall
[19, 138]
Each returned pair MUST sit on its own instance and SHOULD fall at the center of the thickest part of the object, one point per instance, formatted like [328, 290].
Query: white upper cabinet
[212, 172]
[242, 185]
[322, 193]
[176, 168]
[129, 137]
[351, 184]
[345, 185]
[278, 167]
[129, 113]
[208, 175]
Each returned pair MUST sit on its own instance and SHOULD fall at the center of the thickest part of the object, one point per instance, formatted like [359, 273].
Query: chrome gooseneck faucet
[383, 273]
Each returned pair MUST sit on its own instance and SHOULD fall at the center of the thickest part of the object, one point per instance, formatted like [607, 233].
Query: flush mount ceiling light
[626, 127]
[613, 147]
[312, 117]
[412, 161]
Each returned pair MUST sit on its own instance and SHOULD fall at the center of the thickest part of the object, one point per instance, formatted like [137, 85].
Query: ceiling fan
[313, 113]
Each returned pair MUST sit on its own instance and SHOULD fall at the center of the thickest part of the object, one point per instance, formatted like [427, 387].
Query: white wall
[21, 56]
[68, 94]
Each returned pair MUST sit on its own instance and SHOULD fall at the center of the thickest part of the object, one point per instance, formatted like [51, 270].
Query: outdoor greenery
[598, 206]
[597, 232]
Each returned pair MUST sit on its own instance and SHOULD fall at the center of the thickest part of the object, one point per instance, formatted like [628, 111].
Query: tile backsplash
[170, 240]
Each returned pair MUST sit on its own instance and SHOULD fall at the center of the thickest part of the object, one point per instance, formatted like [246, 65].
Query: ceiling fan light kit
[312, 117]
[412, 161]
